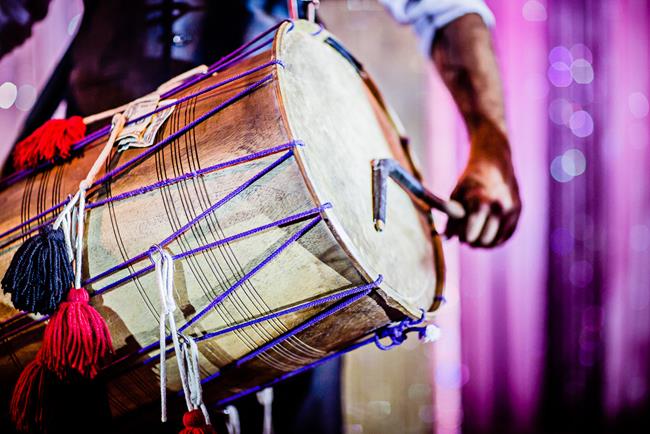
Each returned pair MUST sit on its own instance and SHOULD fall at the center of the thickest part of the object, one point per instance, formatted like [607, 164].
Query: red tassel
[50, 141]
[195, 423]
[27, 409]
[76, 338]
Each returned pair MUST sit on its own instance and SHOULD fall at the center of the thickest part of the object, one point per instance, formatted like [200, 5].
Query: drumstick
[383, 169]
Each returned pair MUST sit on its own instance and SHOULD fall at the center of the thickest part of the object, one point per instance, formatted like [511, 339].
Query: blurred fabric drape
[555, 326]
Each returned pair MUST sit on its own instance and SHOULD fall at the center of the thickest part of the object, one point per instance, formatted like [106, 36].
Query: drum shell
[321, 262]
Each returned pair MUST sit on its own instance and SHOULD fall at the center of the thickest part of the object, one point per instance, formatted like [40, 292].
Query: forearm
[463, 53]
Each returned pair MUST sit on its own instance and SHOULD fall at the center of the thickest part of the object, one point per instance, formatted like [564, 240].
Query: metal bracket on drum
[384, 168]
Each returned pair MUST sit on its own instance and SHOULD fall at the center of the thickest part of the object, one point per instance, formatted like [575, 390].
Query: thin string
[252, 272]
[70, 202]
[161, 144]
[281, 222]
[110, 174]
[19, 175]
[427, 333]
[365, 288]
[211, 209]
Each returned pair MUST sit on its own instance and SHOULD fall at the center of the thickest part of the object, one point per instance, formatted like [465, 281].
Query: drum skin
[317, 97]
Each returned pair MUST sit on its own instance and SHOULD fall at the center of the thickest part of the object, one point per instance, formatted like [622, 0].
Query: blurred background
[551, 333]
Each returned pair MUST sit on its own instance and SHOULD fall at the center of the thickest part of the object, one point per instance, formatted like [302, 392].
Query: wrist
[489, 142]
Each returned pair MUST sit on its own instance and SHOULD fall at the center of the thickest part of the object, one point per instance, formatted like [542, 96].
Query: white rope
[232, 419]
[192, 378]
[79, 199]
[185, 348]
[79, 248]
[265, 398]
[164, 268]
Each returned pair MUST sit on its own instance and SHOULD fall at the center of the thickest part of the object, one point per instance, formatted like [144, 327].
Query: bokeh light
[559, 74]
[534, 10]
[8, 93]
[638, 104]
[573, 162]
[582, 71]
[581, 51]
[560, 54]
[560, 111]
[557, 172]
[26, 97]
[581, 124]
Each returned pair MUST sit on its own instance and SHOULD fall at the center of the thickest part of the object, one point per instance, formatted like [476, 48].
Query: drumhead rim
[389, 294]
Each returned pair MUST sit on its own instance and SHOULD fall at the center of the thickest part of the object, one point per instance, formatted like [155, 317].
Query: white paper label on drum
[144, 135]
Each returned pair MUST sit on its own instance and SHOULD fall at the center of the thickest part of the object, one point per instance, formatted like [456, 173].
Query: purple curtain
[556, 325]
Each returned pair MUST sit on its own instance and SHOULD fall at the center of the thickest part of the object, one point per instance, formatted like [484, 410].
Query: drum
[260, 186]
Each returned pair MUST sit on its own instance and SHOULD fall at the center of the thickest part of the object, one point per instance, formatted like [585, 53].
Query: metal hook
[384, 168]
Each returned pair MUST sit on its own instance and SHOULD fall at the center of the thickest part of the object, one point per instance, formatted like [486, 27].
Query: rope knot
[78, 295]
[194, 419]
[397, 332]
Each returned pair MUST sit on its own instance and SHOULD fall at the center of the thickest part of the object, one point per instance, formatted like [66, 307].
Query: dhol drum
[260, 187]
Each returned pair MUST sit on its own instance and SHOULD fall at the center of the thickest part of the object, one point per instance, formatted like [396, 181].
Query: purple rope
[17, 330]
[300, 370]
[36, 217]
[25, 233]
[200, 249]
[166, 241]
[183, 130]
[142, 271]
[307, 305]
[194, 174]
[283, 337]
[17, 176]
[251, 273]
[369, 340]
[154, 148]
[151, 187]
[13, 318]
[217, 66]
[62, 203]
[246, 45]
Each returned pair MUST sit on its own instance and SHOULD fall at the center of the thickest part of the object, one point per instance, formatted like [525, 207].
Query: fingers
[490, 230]
[476, 222]
[485, 224]
[507, 228]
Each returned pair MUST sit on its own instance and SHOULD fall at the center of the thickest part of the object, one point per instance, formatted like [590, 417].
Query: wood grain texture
[342, 128]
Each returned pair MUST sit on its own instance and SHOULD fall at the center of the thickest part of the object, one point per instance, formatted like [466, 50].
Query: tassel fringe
[51, 141]
[27, 408]
[76, 338]
[40, 273]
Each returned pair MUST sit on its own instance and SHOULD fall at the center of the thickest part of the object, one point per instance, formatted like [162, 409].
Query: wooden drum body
[315, 95]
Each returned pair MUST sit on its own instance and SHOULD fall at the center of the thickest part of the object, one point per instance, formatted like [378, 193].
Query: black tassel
[40, 274]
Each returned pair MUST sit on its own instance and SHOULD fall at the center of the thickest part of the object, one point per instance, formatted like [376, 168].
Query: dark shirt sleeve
[16, 20]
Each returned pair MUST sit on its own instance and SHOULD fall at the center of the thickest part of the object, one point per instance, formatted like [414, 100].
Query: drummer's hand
[488, 191]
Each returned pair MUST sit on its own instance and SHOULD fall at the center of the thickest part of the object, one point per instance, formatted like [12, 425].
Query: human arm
[487, 188]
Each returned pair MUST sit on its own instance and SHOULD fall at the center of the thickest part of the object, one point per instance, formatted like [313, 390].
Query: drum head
[329, 107]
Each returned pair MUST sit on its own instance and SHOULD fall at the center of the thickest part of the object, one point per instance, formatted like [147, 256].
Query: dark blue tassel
[40, 274]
